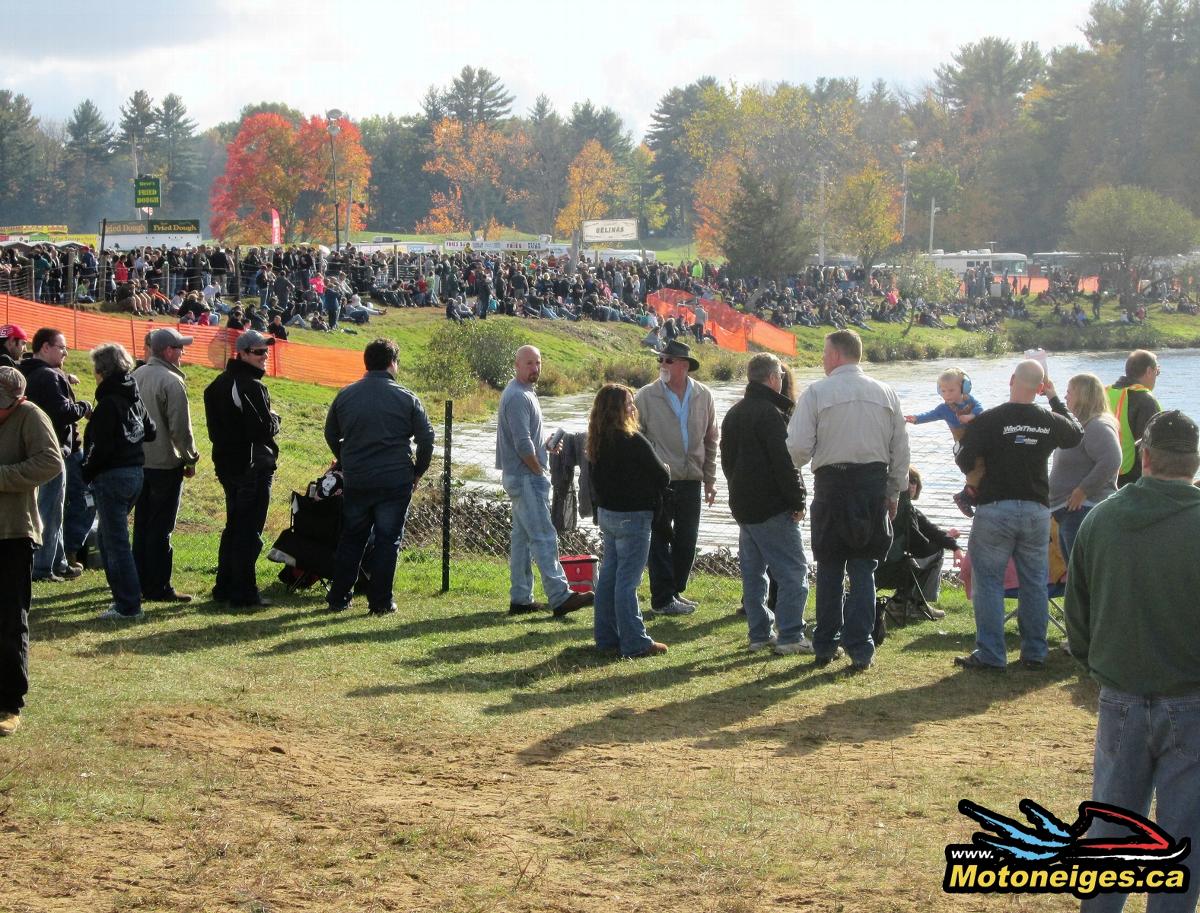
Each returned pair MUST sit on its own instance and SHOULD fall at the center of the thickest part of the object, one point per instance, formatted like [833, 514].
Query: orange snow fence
[213, 346]
[731, 328]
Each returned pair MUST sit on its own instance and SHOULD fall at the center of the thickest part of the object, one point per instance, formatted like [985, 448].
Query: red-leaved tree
[273, 165]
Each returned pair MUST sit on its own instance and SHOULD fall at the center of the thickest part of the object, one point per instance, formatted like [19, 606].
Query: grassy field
[449, 758]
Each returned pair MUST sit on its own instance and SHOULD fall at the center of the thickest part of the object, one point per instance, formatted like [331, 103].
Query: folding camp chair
[1055, 584]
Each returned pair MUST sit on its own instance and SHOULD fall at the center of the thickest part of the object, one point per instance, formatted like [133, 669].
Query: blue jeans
[618, 623]
[774, 544]
[116, 491]
[845, 617]
[1019, 530]
[382, 511]
[1069, 522]
[78, 517]
[671, 562]
[1149, 746]
[50, 500]
[533, 537]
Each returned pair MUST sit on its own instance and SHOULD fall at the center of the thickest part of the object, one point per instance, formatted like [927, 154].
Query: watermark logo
[1048, 856]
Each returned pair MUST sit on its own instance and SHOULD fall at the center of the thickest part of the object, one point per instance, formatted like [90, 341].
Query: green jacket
[1133, 590]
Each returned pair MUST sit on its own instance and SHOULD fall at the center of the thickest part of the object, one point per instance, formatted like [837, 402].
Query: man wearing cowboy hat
[680, 419]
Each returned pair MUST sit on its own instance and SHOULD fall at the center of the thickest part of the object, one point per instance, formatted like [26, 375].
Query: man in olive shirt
[1133, 609]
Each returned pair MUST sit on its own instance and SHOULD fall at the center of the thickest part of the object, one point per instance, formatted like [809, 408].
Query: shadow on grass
[713, 717]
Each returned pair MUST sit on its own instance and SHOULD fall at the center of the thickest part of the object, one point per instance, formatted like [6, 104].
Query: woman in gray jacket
[1083, 476]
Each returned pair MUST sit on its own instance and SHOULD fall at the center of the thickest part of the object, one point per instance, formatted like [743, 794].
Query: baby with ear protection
[957, 409]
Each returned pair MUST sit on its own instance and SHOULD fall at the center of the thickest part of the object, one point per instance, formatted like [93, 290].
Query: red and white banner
[276, 230]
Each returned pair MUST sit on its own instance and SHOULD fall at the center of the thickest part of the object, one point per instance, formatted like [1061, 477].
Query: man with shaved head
[524, 463]
[1012, 520]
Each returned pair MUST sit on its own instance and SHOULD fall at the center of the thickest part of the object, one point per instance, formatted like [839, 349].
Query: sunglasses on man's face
[258, 351]
[666, 361]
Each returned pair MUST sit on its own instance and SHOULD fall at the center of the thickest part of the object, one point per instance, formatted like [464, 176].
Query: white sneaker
[113, 615]
[693, 603]
[676, 607]
[756, 645]
[803, 645]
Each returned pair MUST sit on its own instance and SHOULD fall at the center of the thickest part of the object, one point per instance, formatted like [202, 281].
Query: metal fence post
[446, 475]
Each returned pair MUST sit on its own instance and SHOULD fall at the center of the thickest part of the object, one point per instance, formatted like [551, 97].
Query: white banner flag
[610, 230]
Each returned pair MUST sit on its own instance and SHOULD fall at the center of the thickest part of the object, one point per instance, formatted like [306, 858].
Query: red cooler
[581, 572]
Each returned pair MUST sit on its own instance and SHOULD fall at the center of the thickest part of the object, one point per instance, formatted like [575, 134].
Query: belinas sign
[610, 230]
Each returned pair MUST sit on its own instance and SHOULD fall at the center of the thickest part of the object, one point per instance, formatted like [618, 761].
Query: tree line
[1000, 148]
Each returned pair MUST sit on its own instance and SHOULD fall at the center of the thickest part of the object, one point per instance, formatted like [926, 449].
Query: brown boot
[574, 603]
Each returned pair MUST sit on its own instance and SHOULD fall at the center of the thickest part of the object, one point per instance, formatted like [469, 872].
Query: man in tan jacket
[170, 458]
[29, 457]
[679, 417]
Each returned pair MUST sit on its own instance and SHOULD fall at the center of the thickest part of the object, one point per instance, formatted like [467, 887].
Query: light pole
[332, 116]
[910, 150]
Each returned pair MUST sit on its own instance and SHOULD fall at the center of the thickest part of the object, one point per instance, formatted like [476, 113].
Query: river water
[916, 385]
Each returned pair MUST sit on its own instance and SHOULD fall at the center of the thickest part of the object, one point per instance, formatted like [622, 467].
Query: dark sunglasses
[666, 361]
[258, 351]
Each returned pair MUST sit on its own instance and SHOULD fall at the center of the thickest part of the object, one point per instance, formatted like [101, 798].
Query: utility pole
[933, 211]
[821, 207]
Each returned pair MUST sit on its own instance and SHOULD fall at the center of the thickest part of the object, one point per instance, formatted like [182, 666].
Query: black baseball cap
[1172, 431]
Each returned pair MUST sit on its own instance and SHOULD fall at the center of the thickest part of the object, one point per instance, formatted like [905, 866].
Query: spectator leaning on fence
[242, 428]
[522, 458]
[29, 457]
[170, 458]
[370, 429]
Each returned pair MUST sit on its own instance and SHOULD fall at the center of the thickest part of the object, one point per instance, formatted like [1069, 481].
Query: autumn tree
[589, 184]
[714, 194]
[866, 214]
[476, 161]
[273, 165]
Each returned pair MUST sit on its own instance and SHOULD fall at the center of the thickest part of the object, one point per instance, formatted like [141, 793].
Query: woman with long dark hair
[628, 480]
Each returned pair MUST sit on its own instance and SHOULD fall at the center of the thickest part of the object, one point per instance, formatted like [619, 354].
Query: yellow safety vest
[1118, 399]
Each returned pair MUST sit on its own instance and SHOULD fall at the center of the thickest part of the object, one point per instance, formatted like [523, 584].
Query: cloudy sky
[375, 57]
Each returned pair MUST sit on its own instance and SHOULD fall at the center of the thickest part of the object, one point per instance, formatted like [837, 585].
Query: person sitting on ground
[277, 329]
[957, 409]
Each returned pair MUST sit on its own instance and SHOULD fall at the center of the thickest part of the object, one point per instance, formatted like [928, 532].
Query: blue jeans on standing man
[618, 623]
[533, 537]
[50, 500]
[381, 511]
[774, 544]
[1149, 746]
[116, 492]
[1019, 530]
[845, 617]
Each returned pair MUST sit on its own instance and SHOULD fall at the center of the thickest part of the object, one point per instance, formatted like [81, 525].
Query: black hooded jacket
[117, 429]
[241, 425]
[763, 480]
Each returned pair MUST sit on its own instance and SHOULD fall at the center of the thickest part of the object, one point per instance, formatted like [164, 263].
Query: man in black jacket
[766, 497]
[1012, 520]
[66, 518]
[242, 429]
[370, 428]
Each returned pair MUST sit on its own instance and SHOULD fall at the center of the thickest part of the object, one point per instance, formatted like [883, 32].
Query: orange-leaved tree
[591, 180]
[273, 165]
[713, 196]
[475, 159]
[353, 175]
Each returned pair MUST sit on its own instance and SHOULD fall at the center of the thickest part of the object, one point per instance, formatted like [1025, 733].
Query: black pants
[671, 562]
[153, 522]
[247, 497]
[16, 570]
